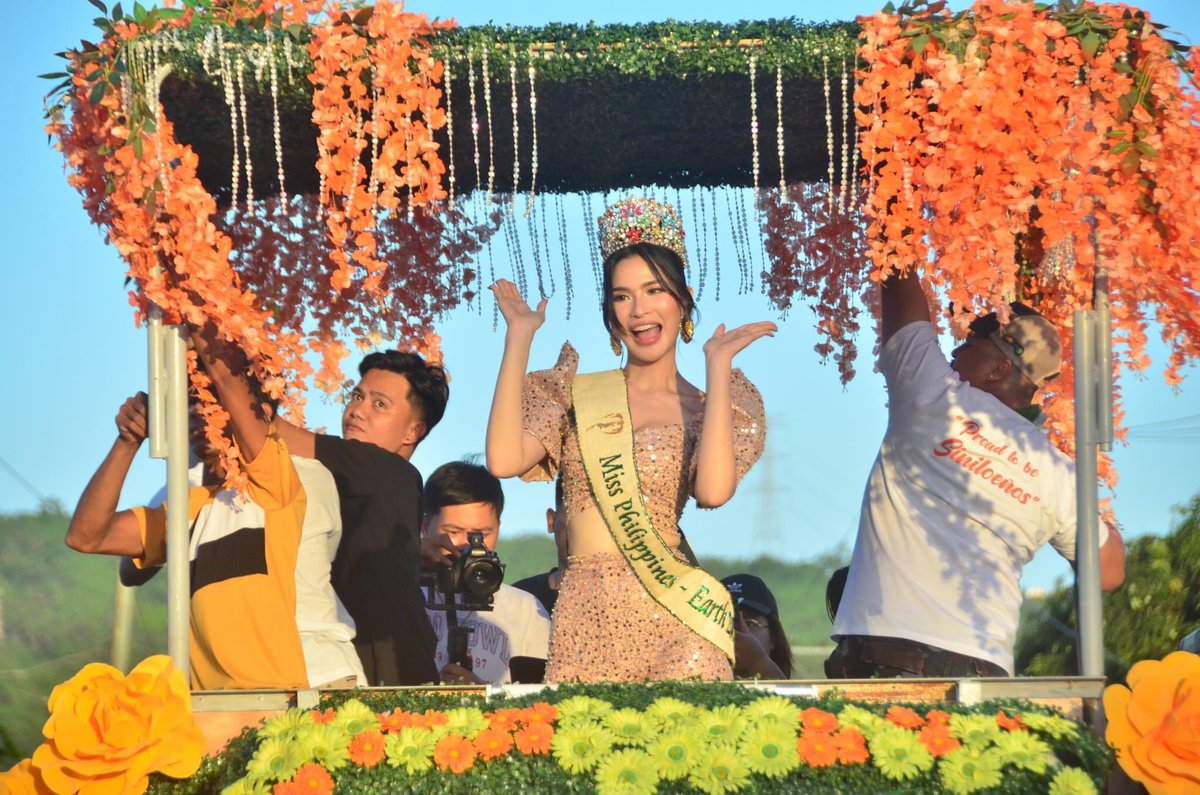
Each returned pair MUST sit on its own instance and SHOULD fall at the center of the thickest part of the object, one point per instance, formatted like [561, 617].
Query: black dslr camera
[470, 583]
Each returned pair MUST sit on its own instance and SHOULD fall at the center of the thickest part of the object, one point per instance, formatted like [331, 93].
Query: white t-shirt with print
[962, 494]
[517, 626]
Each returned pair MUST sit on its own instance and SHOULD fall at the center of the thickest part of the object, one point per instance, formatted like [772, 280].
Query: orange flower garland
[142, 185]
[1020, 149]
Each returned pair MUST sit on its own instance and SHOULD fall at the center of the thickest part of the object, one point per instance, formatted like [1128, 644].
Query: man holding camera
[463, 503]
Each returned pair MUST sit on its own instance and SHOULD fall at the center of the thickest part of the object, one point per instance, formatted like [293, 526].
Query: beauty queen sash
[605, 432]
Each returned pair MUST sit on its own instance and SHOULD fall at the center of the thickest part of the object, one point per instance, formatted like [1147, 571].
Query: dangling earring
[616, 346]
[687, 329]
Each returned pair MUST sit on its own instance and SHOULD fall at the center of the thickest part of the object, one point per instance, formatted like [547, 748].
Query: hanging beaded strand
[533, 128]
[855, 154]
[779, 127]
[593, 238]
[844, 193]
[828, 132]
[716, 265]
[241, 90]
[231, 102]
[448, 79]
[754, 121]
[516, 130]
[474, 120]
[275, 127]
[487, 109]
[562, 244]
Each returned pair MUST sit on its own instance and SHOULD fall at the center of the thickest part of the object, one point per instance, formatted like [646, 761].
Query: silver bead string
[593, 237]
[779, 126]
[828, 132]
[487, 103]
[516, 130]
[754, 120]
[448, 78]
[474, 120]
[275, 127]
[855, 154]
[562, 245]
[249, 167]
[533, 166]
[844, 194]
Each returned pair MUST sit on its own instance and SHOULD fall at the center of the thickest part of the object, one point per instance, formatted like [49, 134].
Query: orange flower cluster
[1019, 149]
[257, 272]
[824, 743]
[310, 779]
[375, 98]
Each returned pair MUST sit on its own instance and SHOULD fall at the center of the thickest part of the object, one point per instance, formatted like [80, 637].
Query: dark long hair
[666, 266]
[781, 650]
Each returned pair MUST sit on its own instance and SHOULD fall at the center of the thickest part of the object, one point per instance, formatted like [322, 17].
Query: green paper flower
[1051, 725]
[898, 753]
[245, 786]
[355, 717]
[582, 708]
[410, 748]
[628, 727]
[578, 748]
[772, 709]
[974, 730]
[770, 749]
[722, 725]
[275, 760]
[627, 772]
[1023, 750]
[328, 745]
[465, 721]
[1072, 781]
[668, 714]
[673, 753]
[970, 769]
[719, 770]
[286, 726]
[864, 720]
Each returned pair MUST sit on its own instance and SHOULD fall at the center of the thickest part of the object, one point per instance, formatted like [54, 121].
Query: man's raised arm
[902, 302]
[226, 366]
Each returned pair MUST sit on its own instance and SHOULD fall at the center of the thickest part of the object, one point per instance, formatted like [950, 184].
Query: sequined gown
[606, 628]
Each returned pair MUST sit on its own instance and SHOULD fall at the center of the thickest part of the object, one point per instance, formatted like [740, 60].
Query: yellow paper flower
[412, 748]
[107, 732]
[898, 753]
[769, 749]
[674, 754]
[1154, 723]
[772, 709]
[580, 747]
[627, 772]
[667, 714]
[718, 771]
[628, 727]
[970, 769]
[1071, 781]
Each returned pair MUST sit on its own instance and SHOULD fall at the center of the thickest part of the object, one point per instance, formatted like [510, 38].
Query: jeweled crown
[633, 221]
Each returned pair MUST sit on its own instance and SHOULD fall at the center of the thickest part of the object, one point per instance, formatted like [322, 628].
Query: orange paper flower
[1012, 724]
[905, 718]
[937, 740]
[328, 716]
[540, 712]
[534, 740]
[818, 721]
[493, 744]
[503, 719]
[454, 753]
[366, 749]
[1154, 723]
[109, 732]
[851, 747]
[312, 779]
[817, 749]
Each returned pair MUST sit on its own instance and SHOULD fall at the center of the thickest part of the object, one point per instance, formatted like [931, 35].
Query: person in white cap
[965, 489]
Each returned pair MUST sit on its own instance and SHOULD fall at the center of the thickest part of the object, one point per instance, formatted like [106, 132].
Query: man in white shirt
[964, 491]
[462, 498]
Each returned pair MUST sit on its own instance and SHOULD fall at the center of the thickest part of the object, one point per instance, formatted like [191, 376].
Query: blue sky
[71, 353]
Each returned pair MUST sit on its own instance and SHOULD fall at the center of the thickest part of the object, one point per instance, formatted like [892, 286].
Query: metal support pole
[178, 587]
[1087, 547]
[122, 637]
[1104, 359]
[156, 385]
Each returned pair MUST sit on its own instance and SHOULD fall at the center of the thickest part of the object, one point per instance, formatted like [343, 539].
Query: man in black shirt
[398, 400]
[545, 586]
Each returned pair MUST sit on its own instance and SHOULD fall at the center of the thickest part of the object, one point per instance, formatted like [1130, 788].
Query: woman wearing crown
[632, 445]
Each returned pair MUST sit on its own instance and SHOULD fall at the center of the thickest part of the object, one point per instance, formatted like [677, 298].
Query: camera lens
[481, 578]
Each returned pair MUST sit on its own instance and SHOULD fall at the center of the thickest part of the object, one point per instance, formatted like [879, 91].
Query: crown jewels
[633, 221]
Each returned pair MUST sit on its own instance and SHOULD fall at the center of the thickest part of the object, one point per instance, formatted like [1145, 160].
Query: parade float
[310, 176]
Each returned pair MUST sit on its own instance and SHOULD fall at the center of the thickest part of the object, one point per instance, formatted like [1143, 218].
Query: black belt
[915, 658]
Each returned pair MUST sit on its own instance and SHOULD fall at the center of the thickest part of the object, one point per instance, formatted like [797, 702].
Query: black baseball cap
[748, 590]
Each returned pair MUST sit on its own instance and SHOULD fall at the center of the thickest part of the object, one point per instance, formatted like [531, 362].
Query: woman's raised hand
[725, 344]
[517, 314]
